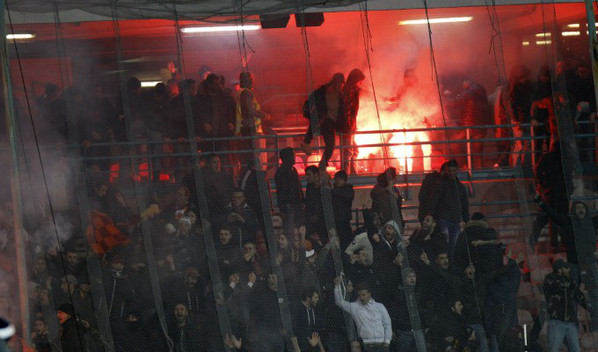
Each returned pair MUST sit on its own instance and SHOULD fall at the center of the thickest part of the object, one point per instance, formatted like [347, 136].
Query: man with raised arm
[371, 318]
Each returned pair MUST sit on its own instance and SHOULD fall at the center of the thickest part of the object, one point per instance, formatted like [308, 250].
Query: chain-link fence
[163, 209]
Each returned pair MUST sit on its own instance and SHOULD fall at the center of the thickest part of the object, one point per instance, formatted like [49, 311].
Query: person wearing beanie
[289, 193]
[187, 245]
[562, 297]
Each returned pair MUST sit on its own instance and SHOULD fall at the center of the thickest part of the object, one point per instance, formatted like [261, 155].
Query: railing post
[469, 156]
[532, 145]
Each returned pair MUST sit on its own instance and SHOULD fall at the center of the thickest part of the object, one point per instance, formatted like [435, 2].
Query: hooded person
[385, 245]
[361, 241]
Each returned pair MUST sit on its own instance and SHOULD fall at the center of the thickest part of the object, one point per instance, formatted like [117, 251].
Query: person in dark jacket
[580, 231]
[265, 314]
[289, 193]
[452, 333]
[40, 337]
[72, 331]
[475, 111]
[342, 201]
[386, 248]
[542, 112]
[500, 307]
[248, 183]
[553, 184]
[227, 252]
[427, 239]
[307, 320]
[385, 192]
[240, 218]
[214, 110]
[471, 291]
[218, 185]
[400, 315]
[189, 290]
[440, 282]
[427, 189]
[477, 245]
[518, 104]
[314, 211]
[118, 287]
[449, 203]
[186, 334]
[327, 107]
[578, 228]
[562, 297]
[351, 93]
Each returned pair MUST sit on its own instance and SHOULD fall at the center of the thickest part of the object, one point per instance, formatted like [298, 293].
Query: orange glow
[411, 112]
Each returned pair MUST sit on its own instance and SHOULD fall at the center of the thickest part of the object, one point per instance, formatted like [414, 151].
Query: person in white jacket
[371, 318]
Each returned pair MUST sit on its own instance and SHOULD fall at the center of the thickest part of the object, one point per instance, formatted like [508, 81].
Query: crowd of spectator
[156, 282]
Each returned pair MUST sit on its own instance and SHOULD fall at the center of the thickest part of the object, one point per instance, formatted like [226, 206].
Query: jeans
[521, 156]
[452, 230]
[480, 335]
[375, 347]
[348, 153]
[589, 277]
[327, 130]
[559, 331]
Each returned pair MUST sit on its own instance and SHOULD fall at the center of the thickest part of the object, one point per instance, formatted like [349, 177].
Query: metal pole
[593, 41]
[469, 156]
[17, 204]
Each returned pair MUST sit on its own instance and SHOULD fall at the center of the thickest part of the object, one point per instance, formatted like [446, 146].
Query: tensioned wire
[145, 226]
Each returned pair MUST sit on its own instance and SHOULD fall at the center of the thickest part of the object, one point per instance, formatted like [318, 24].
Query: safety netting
[237, 180]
